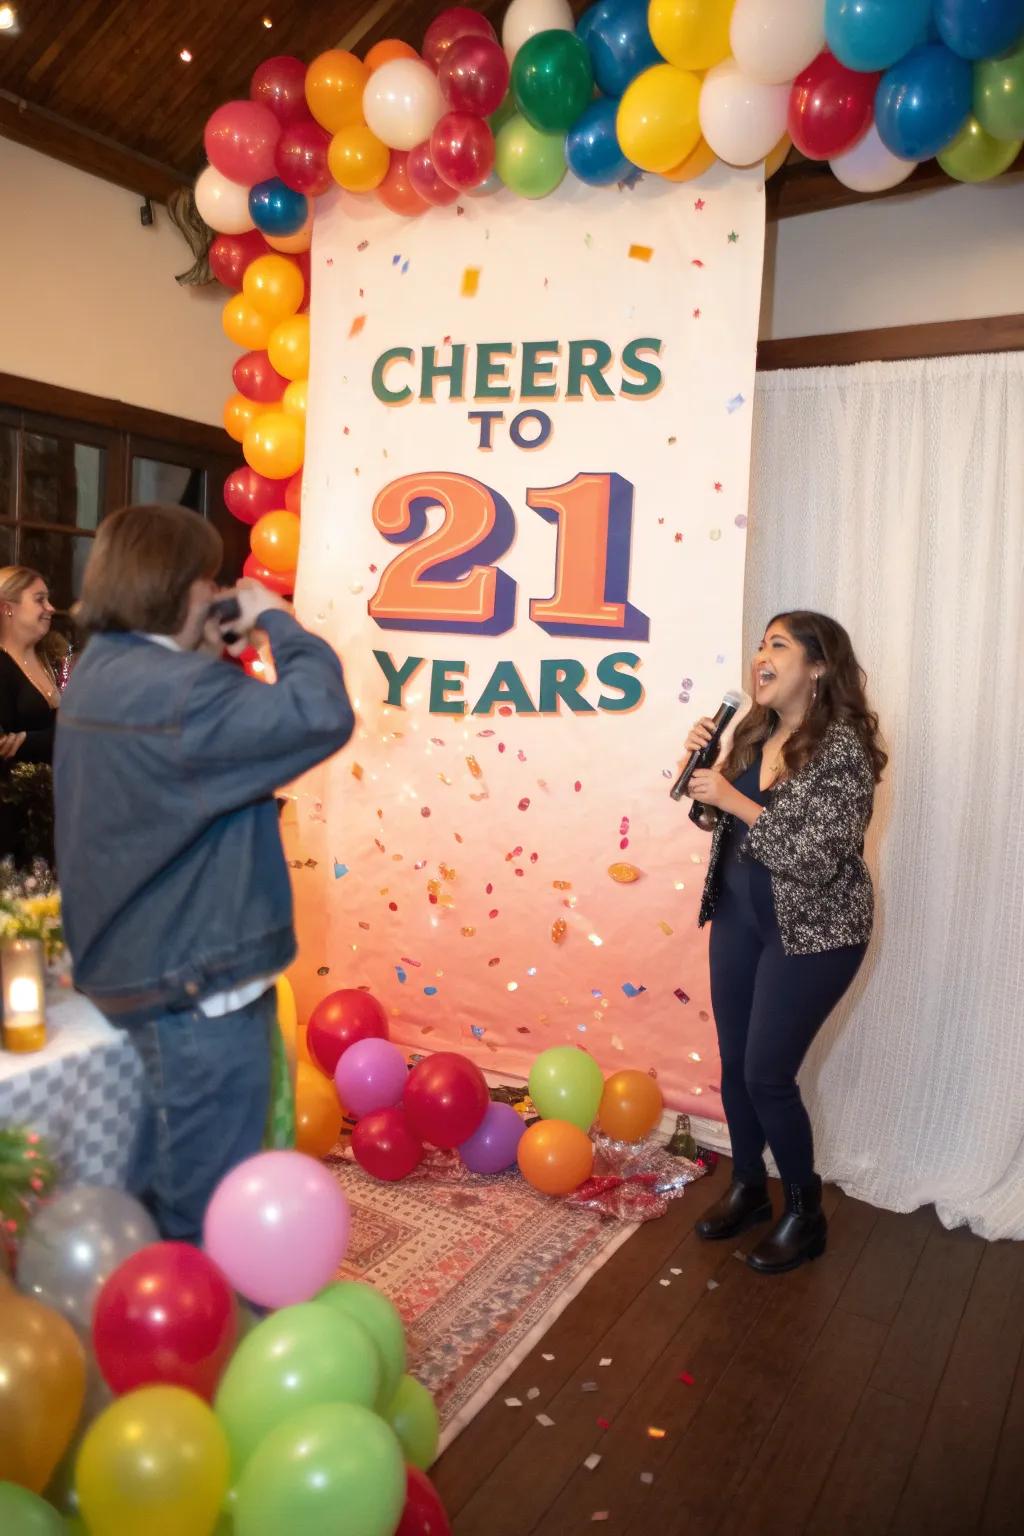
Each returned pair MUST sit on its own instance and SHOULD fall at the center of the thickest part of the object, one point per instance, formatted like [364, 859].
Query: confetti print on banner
[470, 283]
[641, 252]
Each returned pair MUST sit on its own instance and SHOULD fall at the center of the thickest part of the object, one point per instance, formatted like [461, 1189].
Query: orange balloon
[245, 326]
[631, 1106]
[275, 444]
[42, 1388]
[397, 192]
[555, 1157]
[274, 287]
[239, 415]
[293, 401]
[302, 1049]
[334, 89]
[288, 347]
[294, 245]
[275, 541]
[699, 160]
[387, 49]
[317, 1112]
[357, 159]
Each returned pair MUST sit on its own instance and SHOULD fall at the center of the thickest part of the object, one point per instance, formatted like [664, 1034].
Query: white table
[82, 1091]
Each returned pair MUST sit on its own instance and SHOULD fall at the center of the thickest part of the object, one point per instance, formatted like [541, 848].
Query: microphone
[703, 758]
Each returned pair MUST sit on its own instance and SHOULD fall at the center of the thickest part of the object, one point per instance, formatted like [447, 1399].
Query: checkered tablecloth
[82, 1091]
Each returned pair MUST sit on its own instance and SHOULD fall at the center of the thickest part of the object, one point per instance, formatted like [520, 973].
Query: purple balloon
[493, 1147]
[370, 1075]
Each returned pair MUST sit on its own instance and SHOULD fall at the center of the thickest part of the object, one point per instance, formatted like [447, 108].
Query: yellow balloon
[294, 398]
[287, 1012]
[275, 445]
[294, 245]
[357, 159]
[288, 347]
[699, 160]
[155, 1463]
[657, 122]
[777, 158]
[42, 1388]
[691, 34]
[245, 326]
[239, 415]
[317, 1112]
[273, 286]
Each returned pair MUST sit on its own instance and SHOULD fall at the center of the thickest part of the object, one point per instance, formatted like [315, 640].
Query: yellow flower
[41, 906]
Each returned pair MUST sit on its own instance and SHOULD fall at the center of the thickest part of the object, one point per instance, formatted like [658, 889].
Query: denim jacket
[172, 874]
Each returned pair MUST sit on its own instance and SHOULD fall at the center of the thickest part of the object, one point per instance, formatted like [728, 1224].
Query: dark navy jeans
[207, 1092]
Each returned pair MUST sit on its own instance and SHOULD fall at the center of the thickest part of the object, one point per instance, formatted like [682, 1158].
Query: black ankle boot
[742, 1206]
[797, 1237]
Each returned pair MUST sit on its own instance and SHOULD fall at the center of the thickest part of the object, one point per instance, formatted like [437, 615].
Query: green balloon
[499, 118]
[413, 1417]
[566, 1084]
[374, 1312]
[296, 1358]
[552, 80]
[974, 155]
[529, 162]
[999, 95]
[332, 1469]
[25, 1514]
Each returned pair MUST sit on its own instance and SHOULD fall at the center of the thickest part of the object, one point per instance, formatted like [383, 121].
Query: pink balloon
[240, 140]
[231, 254]
[370, 1075]
[280, 84]
[301, 157]
[248, 495]
[278, 1226]
[493, 1147]
[473, 75]
[257, 379]
[462, 150]
[426, 179]
[444, 30]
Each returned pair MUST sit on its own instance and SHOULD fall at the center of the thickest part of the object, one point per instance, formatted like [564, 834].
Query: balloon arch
[666, 88]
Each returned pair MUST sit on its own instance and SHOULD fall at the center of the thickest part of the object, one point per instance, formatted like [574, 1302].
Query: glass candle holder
[23, 974]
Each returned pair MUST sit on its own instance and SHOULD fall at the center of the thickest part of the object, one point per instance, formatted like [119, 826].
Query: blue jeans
[207, 1092]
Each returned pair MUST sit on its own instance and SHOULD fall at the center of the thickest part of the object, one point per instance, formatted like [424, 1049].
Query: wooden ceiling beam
[808, 186]
[45, 131]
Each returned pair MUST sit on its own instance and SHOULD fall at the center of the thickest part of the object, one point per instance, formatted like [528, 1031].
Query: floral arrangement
[27, 1174]
[30, 907]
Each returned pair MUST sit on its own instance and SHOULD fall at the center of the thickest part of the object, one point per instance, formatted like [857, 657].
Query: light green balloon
[566, 1084]
[380, 1317]
[974, 155]
[413, 1417]
[332, 1469]
[25, 1514]
[999, 95]
[529, 162]
[295, 1359]
[498, 119]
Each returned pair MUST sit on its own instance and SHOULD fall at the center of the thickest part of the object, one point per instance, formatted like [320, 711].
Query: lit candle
[23, 996]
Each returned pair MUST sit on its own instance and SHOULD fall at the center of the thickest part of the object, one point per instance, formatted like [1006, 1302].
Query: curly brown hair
[840, 696]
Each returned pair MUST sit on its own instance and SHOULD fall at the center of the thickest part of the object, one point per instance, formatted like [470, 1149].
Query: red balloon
[397, 192]
[385, 1146]
[462, 149]
[293, 494]
[473, 75]
[339, 1020]
[830, 107]
[240, 139]
[166, 1315]
[280, 84]
[424, 1514]
[282, 582]
[426, 180]
[445, 1099]
[257, 379]
[231, 254]
[444, 30]
[248, 495]
[301, 157]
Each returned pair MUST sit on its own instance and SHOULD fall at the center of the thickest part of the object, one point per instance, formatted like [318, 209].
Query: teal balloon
[372, 1310]
[552, 80]
[25, 1514]
[999, 95]
[297, 1358]
[413, 1417]
[975, 155]
[566, 1084]
[529, 162]
[335, 1470]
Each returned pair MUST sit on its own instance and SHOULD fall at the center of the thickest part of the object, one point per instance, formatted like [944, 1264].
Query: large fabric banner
[523, 527]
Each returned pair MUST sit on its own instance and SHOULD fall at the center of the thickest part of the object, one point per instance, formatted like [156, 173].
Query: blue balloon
[979, 29]
[275, 209]
[592, 148]
[873, 34]
[618, 41]
[923, 102]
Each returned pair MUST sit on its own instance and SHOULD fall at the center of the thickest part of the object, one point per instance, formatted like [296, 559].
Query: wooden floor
[878, 1392]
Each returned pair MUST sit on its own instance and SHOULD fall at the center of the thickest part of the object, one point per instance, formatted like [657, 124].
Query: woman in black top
[29, 697]
[791, 905]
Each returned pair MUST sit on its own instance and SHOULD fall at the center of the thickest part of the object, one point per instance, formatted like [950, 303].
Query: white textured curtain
[891, 495]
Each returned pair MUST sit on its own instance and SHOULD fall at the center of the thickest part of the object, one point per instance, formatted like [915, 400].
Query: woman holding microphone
[791, 905]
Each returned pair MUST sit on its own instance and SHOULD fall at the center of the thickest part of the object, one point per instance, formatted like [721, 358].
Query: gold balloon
[42, 1386]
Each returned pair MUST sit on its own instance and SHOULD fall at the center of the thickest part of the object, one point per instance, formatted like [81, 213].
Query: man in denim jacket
[176, 897]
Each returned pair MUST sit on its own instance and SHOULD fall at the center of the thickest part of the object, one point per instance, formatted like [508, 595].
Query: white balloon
[741, 118]
[869, 166]
[222, 204]
[773, 40]
[402, 102]
[526, 17]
